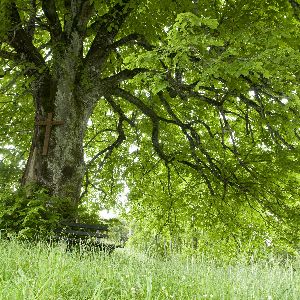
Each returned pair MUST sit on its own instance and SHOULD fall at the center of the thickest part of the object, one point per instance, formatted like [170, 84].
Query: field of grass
[42, 272]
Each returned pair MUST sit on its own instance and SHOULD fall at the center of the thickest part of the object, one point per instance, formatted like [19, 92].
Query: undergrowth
[43, 272]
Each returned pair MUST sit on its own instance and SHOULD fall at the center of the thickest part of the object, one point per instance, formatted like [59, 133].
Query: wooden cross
[48, 123]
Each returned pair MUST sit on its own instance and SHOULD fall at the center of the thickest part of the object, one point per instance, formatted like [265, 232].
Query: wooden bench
[86, 236]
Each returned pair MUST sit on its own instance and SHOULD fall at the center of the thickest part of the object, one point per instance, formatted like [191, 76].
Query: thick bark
[60, 171]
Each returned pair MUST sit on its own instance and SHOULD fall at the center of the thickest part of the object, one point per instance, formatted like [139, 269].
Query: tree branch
[184, 90]
[154, 118]
[169, 110]
[134, 38]
[97, 134]
[20, 40]
[121, 76]
[137, 102]
[117, 108]
[107, 27]
[50, 12]
[109, 149]
[193, 139]
[199, 169]
[156, 143]
[83, 15]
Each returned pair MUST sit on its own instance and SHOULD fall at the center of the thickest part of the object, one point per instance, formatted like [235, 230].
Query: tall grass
[43, 272]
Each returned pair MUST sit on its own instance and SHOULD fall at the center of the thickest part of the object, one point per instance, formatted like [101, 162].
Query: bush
[30, 212]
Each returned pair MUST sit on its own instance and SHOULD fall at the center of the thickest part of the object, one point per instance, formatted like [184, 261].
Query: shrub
[30, 212]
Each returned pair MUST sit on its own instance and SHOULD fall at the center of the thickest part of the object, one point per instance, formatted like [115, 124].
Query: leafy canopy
[202, 118]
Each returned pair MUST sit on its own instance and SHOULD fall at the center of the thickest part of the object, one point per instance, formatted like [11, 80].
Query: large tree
[203, 92]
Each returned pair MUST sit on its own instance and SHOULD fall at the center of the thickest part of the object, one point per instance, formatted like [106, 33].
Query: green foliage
[186, 218]
[5, 24]
[215, 119]
[85, 215]
[118, 230]
[235, 53]
[30, 212]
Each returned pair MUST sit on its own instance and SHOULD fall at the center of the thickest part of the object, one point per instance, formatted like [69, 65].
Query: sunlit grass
[43, 272]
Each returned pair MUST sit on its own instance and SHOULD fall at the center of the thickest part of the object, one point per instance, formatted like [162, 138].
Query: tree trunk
[61, 170]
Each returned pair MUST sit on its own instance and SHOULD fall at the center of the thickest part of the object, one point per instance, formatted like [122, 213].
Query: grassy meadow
[42, 272]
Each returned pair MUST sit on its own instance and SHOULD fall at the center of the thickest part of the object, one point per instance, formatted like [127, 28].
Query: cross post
[48, 123]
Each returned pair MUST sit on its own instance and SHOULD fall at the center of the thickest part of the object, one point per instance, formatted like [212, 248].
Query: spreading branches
[106, 29]
[169, 110]
[260, 108]
[195, 144]
[206, 162]
[199, 169]
[155, 118]
[19, 39]
[76, 17]
[109, 149]
[105, 154]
